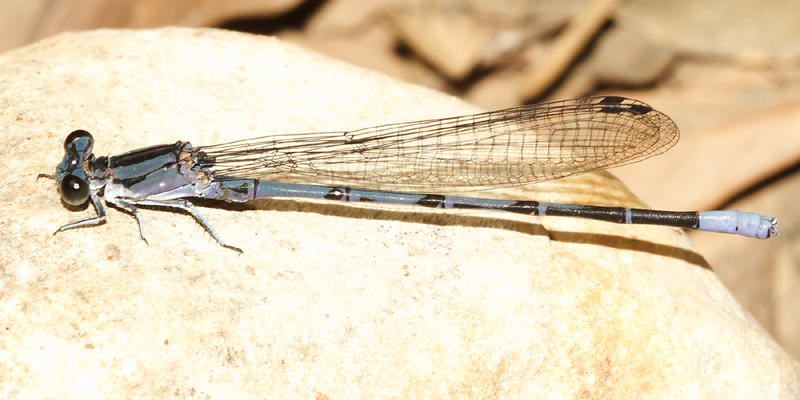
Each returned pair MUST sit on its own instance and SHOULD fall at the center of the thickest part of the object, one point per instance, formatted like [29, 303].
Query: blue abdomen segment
[743, 223]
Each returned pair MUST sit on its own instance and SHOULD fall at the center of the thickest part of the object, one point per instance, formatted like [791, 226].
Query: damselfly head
[71, 178]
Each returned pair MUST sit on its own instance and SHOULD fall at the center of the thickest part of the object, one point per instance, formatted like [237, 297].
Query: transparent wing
[508, 147]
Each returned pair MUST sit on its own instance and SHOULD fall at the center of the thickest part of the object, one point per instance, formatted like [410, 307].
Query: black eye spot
[74, 190]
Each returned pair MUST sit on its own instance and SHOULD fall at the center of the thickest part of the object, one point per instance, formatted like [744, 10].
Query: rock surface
[327, 301]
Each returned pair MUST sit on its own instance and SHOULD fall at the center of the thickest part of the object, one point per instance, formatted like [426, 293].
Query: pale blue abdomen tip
[739, 222]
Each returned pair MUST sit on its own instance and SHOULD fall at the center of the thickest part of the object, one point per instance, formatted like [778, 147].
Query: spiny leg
[99, 219]
[133, 210]
[186, 205]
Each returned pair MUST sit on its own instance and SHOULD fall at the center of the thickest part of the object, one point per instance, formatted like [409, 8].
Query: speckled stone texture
[328, 301]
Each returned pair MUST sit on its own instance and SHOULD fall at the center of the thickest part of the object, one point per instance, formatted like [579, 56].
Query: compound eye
[79, 134]
[74, 190]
